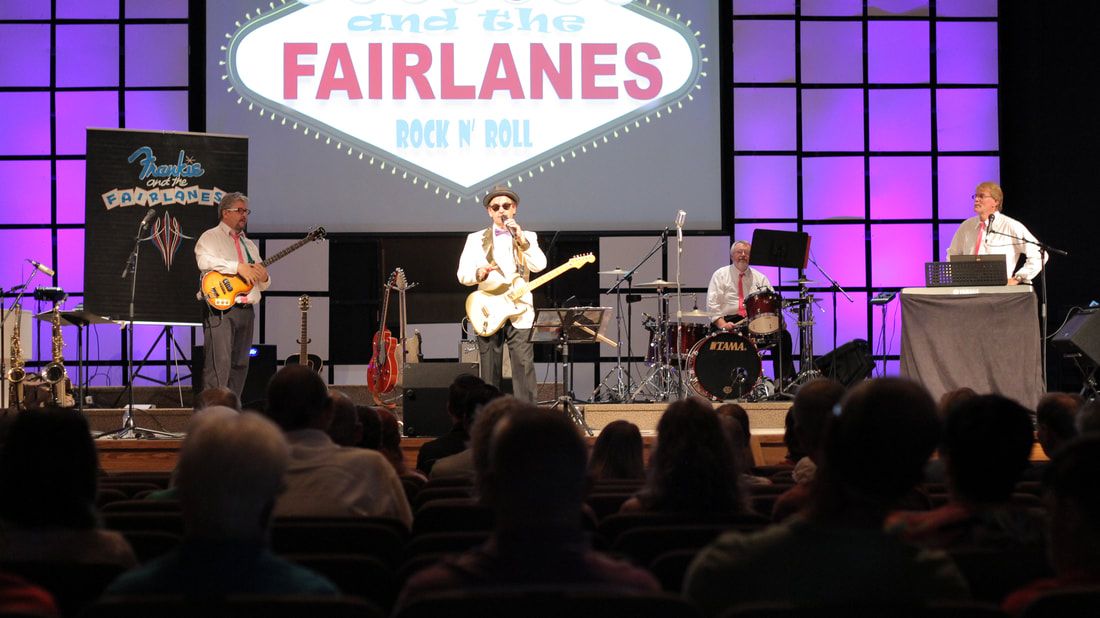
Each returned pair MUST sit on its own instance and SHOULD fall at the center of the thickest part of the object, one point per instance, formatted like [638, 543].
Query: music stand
[782, 250]
[565, 326]
[80, 319]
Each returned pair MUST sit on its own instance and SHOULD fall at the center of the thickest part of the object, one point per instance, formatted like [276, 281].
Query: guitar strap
[520, 258]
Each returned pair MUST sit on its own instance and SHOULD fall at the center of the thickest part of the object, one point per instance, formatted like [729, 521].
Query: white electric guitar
[494, 304]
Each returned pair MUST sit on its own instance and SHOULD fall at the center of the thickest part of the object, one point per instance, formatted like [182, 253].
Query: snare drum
[691, 334]
[763, 309]
[723, 366]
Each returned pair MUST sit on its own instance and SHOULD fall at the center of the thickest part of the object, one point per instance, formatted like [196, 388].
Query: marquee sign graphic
[455, 95]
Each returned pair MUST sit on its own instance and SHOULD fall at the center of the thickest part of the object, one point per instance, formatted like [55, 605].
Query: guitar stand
[564, 327]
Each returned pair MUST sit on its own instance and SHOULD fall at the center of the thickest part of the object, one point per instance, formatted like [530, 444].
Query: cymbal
[795, 301]
[695, 313]
[805, 281]
[656, 283]
[617, 271]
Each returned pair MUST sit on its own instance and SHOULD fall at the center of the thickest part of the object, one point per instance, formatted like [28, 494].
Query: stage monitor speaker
[424, 399]
[261, 366]
[851, 362]
[1080, 335]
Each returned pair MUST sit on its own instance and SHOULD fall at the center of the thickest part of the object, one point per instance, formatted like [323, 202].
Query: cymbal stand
[616, 383]
[807, 370]
[661, 381]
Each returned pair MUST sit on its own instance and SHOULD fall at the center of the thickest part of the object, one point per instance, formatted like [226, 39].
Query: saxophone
[55, 374]
[17, 372]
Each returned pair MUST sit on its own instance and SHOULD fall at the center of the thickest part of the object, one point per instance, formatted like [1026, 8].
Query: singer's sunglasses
[497, 207]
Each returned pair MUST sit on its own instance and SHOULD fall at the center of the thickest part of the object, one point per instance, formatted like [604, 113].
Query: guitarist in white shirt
[493, 257]
[227, 335]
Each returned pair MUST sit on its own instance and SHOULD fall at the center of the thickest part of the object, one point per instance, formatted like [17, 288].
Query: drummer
[726, 294]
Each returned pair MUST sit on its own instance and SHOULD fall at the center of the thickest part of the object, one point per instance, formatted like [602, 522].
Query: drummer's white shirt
[722, 290]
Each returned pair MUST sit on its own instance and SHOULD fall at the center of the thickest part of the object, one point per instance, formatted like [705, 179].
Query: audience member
[1073, 506]
[934, 470]
[535, 482]
[171, 493]
[812, 410]
[391, 445]
[230, 471]
[454, 441]
[372, 427]
[617, 453]
[48, 469]
[837, 553]
[218, 396]
[1054, 426]
[346, 428]
[986, 444]
[19, 597]
[324, 479]
[692, 468]
[742, 450]
[477, 404]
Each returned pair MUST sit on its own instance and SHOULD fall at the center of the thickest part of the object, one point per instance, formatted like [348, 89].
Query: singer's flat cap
[499, 190]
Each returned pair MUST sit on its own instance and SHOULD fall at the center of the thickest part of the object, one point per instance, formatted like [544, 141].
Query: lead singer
[494, 256]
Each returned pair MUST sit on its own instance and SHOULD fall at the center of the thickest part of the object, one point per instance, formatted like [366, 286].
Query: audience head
[692, 467]
[986, 447]
[735, 420]
[1088, 418]
[790, 438]
[297, 398]
[48, 468]
[1054, 420]
[218, 396]
[372, 427]
[474, 398]
[346, 429]
[813, 408]
[230, 471]
[950, 399]
[390, 440]
[482, 431]
[457, 393]
[617, 453]
[875, 450]
[536, 470]
[1073, 505]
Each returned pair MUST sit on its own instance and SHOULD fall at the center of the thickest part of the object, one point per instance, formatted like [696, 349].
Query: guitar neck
[547, 276]
[285, 252]
[303, 357]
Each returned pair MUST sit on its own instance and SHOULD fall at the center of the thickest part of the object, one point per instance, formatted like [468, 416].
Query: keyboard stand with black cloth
[983, 337]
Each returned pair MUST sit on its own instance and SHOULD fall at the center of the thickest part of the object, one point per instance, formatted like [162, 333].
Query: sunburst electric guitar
[303, 357]
[220, 290]
[492, 305]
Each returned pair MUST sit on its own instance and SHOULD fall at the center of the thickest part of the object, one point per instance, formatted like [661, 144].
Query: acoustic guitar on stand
[303, 357]
[221, 291]
[494, 304]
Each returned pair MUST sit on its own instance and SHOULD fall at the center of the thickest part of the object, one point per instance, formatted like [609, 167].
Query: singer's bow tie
[499, 232]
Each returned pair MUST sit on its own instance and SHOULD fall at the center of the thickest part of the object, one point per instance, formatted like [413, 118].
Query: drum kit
[715, 364]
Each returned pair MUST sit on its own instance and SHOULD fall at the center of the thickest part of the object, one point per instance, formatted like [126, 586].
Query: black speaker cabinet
[1080, 335]
[851, 362]
[261, 366]
[424, 400]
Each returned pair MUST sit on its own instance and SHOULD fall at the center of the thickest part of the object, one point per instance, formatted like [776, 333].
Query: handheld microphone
[42, 268]
[509, 224]
[149, 215]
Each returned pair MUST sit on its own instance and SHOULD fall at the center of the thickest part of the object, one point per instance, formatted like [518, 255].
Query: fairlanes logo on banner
[457, 94]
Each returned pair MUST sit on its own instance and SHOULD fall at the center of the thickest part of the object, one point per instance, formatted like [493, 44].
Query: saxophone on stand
[17, 372]
[54, 374]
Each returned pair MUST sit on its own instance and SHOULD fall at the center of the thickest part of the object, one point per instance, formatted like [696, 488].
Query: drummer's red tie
[741, 294]
[978, 243]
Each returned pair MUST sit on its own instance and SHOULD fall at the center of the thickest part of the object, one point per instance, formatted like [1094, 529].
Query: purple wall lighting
[763, 51]
[958, 176]
[763, 119]
[25, 192]
[70, 260]
[24, 123]
[87, 9]
[841, 250]
[763, 7]
[945, 233]
[19, 245]
[744, 231]
[901, 187]
[832, 120]
[152, 55]
[897, 52]
[24, 9]
[966, 119]
[845, 8]
[851, 316]
[966, 8]
[966, 52]
[899, 252]
[900, 120]
[70, 192]
[137, 9]
[31, 65]
[76, 111]
[765, 187]
[832, 52]
[87, 55]
[156, 110]
[909, 8]
[832, 187]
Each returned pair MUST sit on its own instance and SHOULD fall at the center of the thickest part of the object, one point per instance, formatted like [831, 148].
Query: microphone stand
[1044, 249]
[679, 312]
[661, 243]
[835, 287]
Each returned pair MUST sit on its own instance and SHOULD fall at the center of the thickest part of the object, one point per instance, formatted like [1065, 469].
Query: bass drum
[724, 366]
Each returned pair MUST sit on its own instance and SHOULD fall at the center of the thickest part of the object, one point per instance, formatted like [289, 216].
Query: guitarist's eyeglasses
[242, 211]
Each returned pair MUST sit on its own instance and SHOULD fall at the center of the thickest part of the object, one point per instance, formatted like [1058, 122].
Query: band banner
[179, 178]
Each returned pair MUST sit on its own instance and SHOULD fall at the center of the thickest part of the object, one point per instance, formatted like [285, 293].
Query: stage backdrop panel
[180, 177]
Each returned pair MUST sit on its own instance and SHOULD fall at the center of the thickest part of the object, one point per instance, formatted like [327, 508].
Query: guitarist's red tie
[237, 242]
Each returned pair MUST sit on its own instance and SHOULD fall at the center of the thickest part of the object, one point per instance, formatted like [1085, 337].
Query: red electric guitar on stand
[383, 369]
